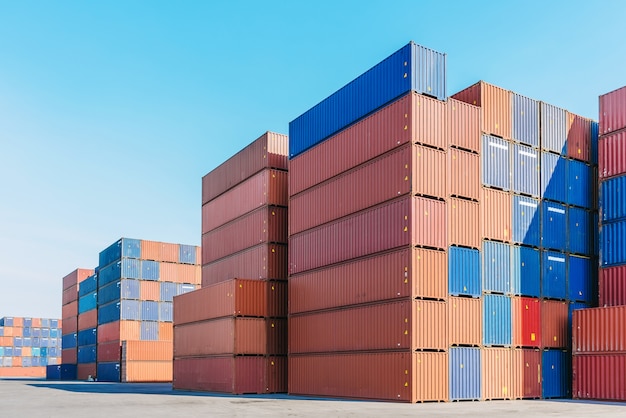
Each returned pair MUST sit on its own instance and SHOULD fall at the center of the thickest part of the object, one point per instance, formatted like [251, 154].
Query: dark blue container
[412, 68]
[497, 323]
[555, 374]
[595, 130]
[553, 277]
[110, 273]
[109, 293]
[130, 309]
[89, 285]
[53, 372]
[579, 224]
[553, 128]
[526, 221]
[88, 302]
[68, 371]
[149, 310]
[124, 247]
[149, 331]
[554, 225]
[86, 354]
[44, 352]
[465, 376]
[553, 177]
[87, 337]
[166, 311]
[67, 341]
[496, 267]
[525, 170]
[109, 313]
[579, 184]
[168, 291]
[525, 120]
[596, 234]
[187, 254]
[464, 271]
[108, 372]
[613, 243]
[150, 270]
[612, 204]
[496, 162]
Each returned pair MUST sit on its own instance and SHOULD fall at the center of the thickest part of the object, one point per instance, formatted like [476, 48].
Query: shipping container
[525, 170]
[553, 177]
[124, 268]
[578, 137]
[69, 356]
[88, 286]
[554, 326]
[231, 374]
[527, 373]
[108, 372]
[121, 289]
[612, 239]
[553, 226]
[526, 221]
[595, 128]
[497, 324]
[75, 277]
[525, 120]
[270, 150]
[166, 331]
[70, 294]
[69, 341]
[149, 290]
[187, 254]
[159, 251]
[464, 321]
[412, 68]
[612, 286]
[463, 226]
[87, 337]
[580, 279]
[119, 330]
[463, 125]
[149, 331]
[526, 319]
[599, 376]
[554, 275]
[496, 107]
[556, 374]
[495, 215]
[463, 174]
[87, 303]
[464, 272]
[496, 267]
[580, 184]
[147, 351]
[611, 151]
[465, 374]
[87, 320]
[612, 205]
[109, 351]
[70, 310]
[598, 330]
[613, 111]
[146, 371]
[553, 128]
[124, 247]
[496, 162]
[86, 354]
[497, 364]
[579, 226]
[166, 311]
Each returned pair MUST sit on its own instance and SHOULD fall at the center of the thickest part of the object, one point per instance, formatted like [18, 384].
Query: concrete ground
[41, 398]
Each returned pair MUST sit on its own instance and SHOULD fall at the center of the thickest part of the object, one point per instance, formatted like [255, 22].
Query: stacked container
[86, 335]
[28, 346]
[231, 335]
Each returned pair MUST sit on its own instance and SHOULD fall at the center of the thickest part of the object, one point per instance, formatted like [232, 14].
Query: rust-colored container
[463, 218]
[69, 310]
[268, 187]
[69, 356]
[270, 150]
[109, 351]
[267, 224]
[463, 125]
[526, 373]
[235, 297]
[398, 274]
[611, 154]
[496, 107]
[495, 215]
[599, 376]
[578, 137]
[526, 318]
[613, 111]
[76, 277]
[498, 372]
[87, 320]
[160, 251]
[119, 330]
[147, 351]
[428, 123]
[262, 262]
[149, 290]
[231, 335]
[70, 294]
[390, 376]
[146, 371]
[464, 321]
[554, 326]
[70, 325]
[236, 375]
[599, 330]
[85, 370]
[464, 174]
[22, 372]
[166, 331]
[612, 286]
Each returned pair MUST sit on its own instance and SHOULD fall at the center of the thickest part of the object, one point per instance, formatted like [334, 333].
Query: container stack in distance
[29, 345]
[87, 332]
[230, 336]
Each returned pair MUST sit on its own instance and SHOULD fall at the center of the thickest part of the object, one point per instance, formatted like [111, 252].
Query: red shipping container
[612, 154]
[267, 224]
[463, 218]
[526, 318]
[613, 111]
[498, 372]
[84, 371]
[428, 123]
[87, 320]
[465, 321]
[599, 376]
[554, 324]
[463, 125]
[495, 215]
[109, 351]
[268, 187]
[160, 251]
[526, 374]
[262, 262]
[270, 150]
[236, 375]
[76, 277]
[578, 137]
[612, 286]
[69, 356]
[70, 325]
[119, 330]
[69, 310]
[464, 174]
[599, 330]
[70, 294]
[496, 107]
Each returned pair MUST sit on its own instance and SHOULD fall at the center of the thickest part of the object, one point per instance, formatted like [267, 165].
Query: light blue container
[150, 270]
[555, 374]
[553, 177]
[496, 267]
[525, 120]
[149, 310]
[149, 331]
[130, 309]
[526, 221]
[496, 162]
[612, 204]
[579, 224]
[464, 271]
[166, 311]
[579, 184]
[553, 128]
[187, 254]
[183, 288]
[17, 341]
[168, 291]
[554, 226]
[554, 279]
[88, 302]
[465, 377]
[497, 323]
[525, 170]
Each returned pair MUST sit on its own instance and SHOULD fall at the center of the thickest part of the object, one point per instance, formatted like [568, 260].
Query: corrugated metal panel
[555, 371]
[166, 311]
[553, 275]
[146, 371]
[496, 267]
[598, 330]
[149, 331]
[428, 172]
[554, 327]
[527, 373]
[464, 321]
[612, 248]
[463, 174]
[497, 364]
[525, 120]
[613, 111]
[611, 152]
[465, 374]
[463, 227]
[464, 275]
[86, 354]
[612, 286]
[270, 150]
[70, 294]
[578, 137]
[594, 142]
[150, 290]
[187, 254]
[495, 215]
[553, 225]
[109, 351]
[553, 128]
[580, 279]
[119, 330]
[69, 356]
[463, 125]
[87, 319]
[428, 122]
[496, 107]
[579, 227]
[87, 302]
[579, 184]
[429, 318]
[553, 177]
[599, 376]
[497, 324]
[75, 277]
[411, 68]
[87, 286]
[147, 350]
[429, 223]
[496, 162]
[159, 251]
[166, 331]
[526, 221]
[612, 206]
[107, 372]
[526, 318]
[268, 187]
[70, 310]
[150, 270]
[267, 224]
[124, 247]
[526, 169]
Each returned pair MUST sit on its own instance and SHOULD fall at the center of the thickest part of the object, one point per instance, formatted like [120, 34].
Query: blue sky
[111, 112]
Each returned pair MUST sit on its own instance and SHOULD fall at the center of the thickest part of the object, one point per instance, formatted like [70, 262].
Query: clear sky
[111, 112]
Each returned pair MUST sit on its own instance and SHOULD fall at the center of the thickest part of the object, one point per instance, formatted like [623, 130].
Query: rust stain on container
[149, 290]
[147, 350]
[498, 372]
[428, 121]
[599, 330]
[578, 137]
[87, 320]
[496, 107]
[464, 174]
[495, 215]
[463, 218]
[463, 125]
[526, 318]
[146, 371]
[465, 321]
[554, 327]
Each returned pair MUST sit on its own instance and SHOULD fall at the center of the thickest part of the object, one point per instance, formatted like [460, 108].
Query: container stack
[86, 335]
[368, 236]
[231, 335]
[28, 346]
[599, 361]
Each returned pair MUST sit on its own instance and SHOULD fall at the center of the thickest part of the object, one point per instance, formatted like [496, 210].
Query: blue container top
[89, 285]
[124, 247]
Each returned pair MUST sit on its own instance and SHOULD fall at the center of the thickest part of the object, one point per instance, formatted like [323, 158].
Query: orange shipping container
[73, 278]
[463, 125]
[119, 330]
[37, 321]
[6, 341]
[498, 372]
[464, 174]
[495, 103]
[554, 328]
[22, 372]
[87, 320]
[464, 321]
[463, 218]
[598, 330]
[146, 371]
[26, 351]
[160, 251]
[149, 290]
[428, 122]
[495, 215]
[17, 362]
[187, 273]
[18, 322]
[147, 350]
[166, 331]
[526, 373]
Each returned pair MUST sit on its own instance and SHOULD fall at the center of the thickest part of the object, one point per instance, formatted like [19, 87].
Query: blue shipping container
[555, 374]
[88, 302]
[579, 184]
[130, 309]
[166, 311]
[108, 372]
[8, 351]
[526, 221]
[45, 323]
[168, 291]
[89, 285]
[464, 271]
[553, 275]
[2, 331]
[554, 226]
[17, 341]
[497, 323]
[109, 293]
[87, 337]
[553, 128]
[183, 288]
[68, 341]
[525, 170]
[109, 313]
[87, 354]
[187, 254]
[149, 331]
[496, 267]
[53, 372]
[495, 160]
[149, 310]
[525, 120]
[36, 342]
[612, 204]
[613, 243]
[17, 351]
[125, 247]
[465, 377]
[150, 270]
[579, 228]
[27, 323]
[595, 131]
[54, 323]
[553, 177]
[68, 371]
[36, 332]
[412, 68]
[45, 332]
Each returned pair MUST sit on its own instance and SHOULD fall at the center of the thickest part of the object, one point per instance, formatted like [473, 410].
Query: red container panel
[87, 320]
[270, 150]
[70, 294]
[612, 155]
[498, 372]
[495, 215]
[76, 277]
[554, 324]
[429, 223]
[463, 125]
[464, 174]
[612, 286]
[110, 351]
[599, 376]
[578, 137]
[429, 121]
[85, 370]
[463, 216]
[599, 330]
[526, 374]
[119, 330]
[465, 321]
[70, 325]
[268, 224]
[69, 310]
[496, 107]
[613, 111]
[69, 356]
[526, 318]
[268, 187]
[236, 375]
